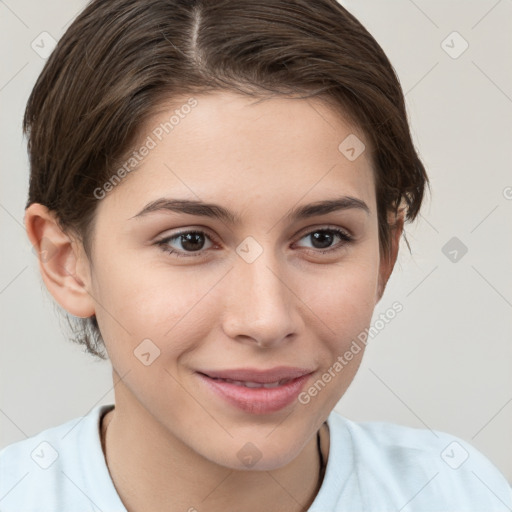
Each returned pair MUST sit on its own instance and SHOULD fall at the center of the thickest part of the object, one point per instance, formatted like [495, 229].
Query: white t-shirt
[372, 467]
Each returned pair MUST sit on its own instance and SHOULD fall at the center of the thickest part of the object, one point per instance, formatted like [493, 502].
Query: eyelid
[200, 230]
[323, 227]
[346, 235]
[306, 231]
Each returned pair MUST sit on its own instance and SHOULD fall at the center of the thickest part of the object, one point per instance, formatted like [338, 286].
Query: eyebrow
[216, 211]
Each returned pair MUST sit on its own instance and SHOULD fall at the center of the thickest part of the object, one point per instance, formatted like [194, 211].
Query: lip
[258, 400]
[255, 375]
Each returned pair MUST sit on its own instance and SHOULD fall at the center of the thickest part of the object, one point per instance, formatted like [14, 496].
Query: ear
[387, 261]
[62, 262]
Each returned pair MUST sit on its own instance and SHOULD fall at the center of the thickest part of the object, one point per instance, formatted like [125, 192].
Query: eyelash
[163, 244]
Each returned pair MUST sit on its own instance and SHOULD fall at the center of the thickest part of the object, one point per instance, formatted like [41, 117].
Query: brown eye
[322, 239]
[187, 242]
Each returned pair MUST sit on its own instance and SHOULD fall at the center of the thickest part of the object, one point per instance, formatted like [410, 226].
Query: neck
[151, 469]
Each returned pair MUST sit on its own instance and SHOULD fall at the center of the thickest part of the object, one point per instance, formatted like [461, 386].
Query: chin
[257, 455]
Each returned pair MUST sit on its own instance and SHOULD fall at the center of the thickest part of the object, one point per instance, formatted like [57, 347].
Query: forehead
[235, 148]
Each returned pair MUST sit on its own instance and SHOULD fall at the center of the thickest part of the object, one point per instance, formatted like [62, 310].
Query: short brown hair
[121, 60]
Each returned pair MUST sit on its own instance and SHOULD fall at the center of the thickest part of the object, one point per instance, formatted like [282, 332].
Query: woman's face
[250, 285]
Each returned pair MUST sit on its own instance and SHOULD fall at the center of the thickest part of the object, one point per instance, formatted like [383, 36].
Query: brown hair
[121, 60]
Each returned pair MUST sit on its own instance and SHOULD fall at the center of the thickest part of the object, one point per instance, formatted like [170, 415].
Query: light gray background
[444, 361]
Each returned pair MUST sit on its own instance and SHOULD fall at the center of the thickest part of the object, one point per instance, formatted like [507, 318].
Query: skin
[170, 441]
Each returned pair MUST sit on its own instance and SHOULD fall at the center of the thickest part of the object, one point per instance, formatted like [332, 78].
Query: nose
[261, 307]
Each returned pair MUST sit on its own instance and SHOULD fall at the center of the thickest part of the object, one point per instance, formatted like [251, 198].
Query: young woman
[218, 190]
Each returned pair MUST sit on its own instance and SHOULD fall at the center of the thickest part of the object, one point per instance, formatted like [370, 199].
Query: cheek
[152, 302]
[341, 305]
[343, 298]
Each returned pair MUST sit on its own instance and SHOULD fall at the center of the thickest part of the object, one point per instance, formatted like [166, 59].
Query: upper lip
[260, 376]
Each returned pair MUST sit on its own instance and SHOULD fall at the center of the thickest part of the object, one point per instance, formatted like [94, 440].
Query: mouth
[254, 385]
[253, 396]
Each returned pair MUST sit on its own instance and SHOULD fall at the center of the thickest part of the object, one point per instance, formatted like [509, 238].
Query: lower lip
[257, 400]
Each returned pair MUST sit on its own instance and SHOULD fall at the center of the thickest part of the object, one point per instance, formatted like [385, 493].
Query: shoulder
[426, 466]
[51, 469]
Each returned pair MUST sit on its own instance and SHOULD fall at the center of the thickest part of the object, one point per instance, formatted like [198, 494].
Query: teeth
[249, 384]
[273, 384]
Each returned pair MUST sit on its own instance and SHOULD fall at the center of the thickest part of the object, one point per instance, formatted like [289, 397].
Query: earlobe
[62, 262]
[387, 262]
